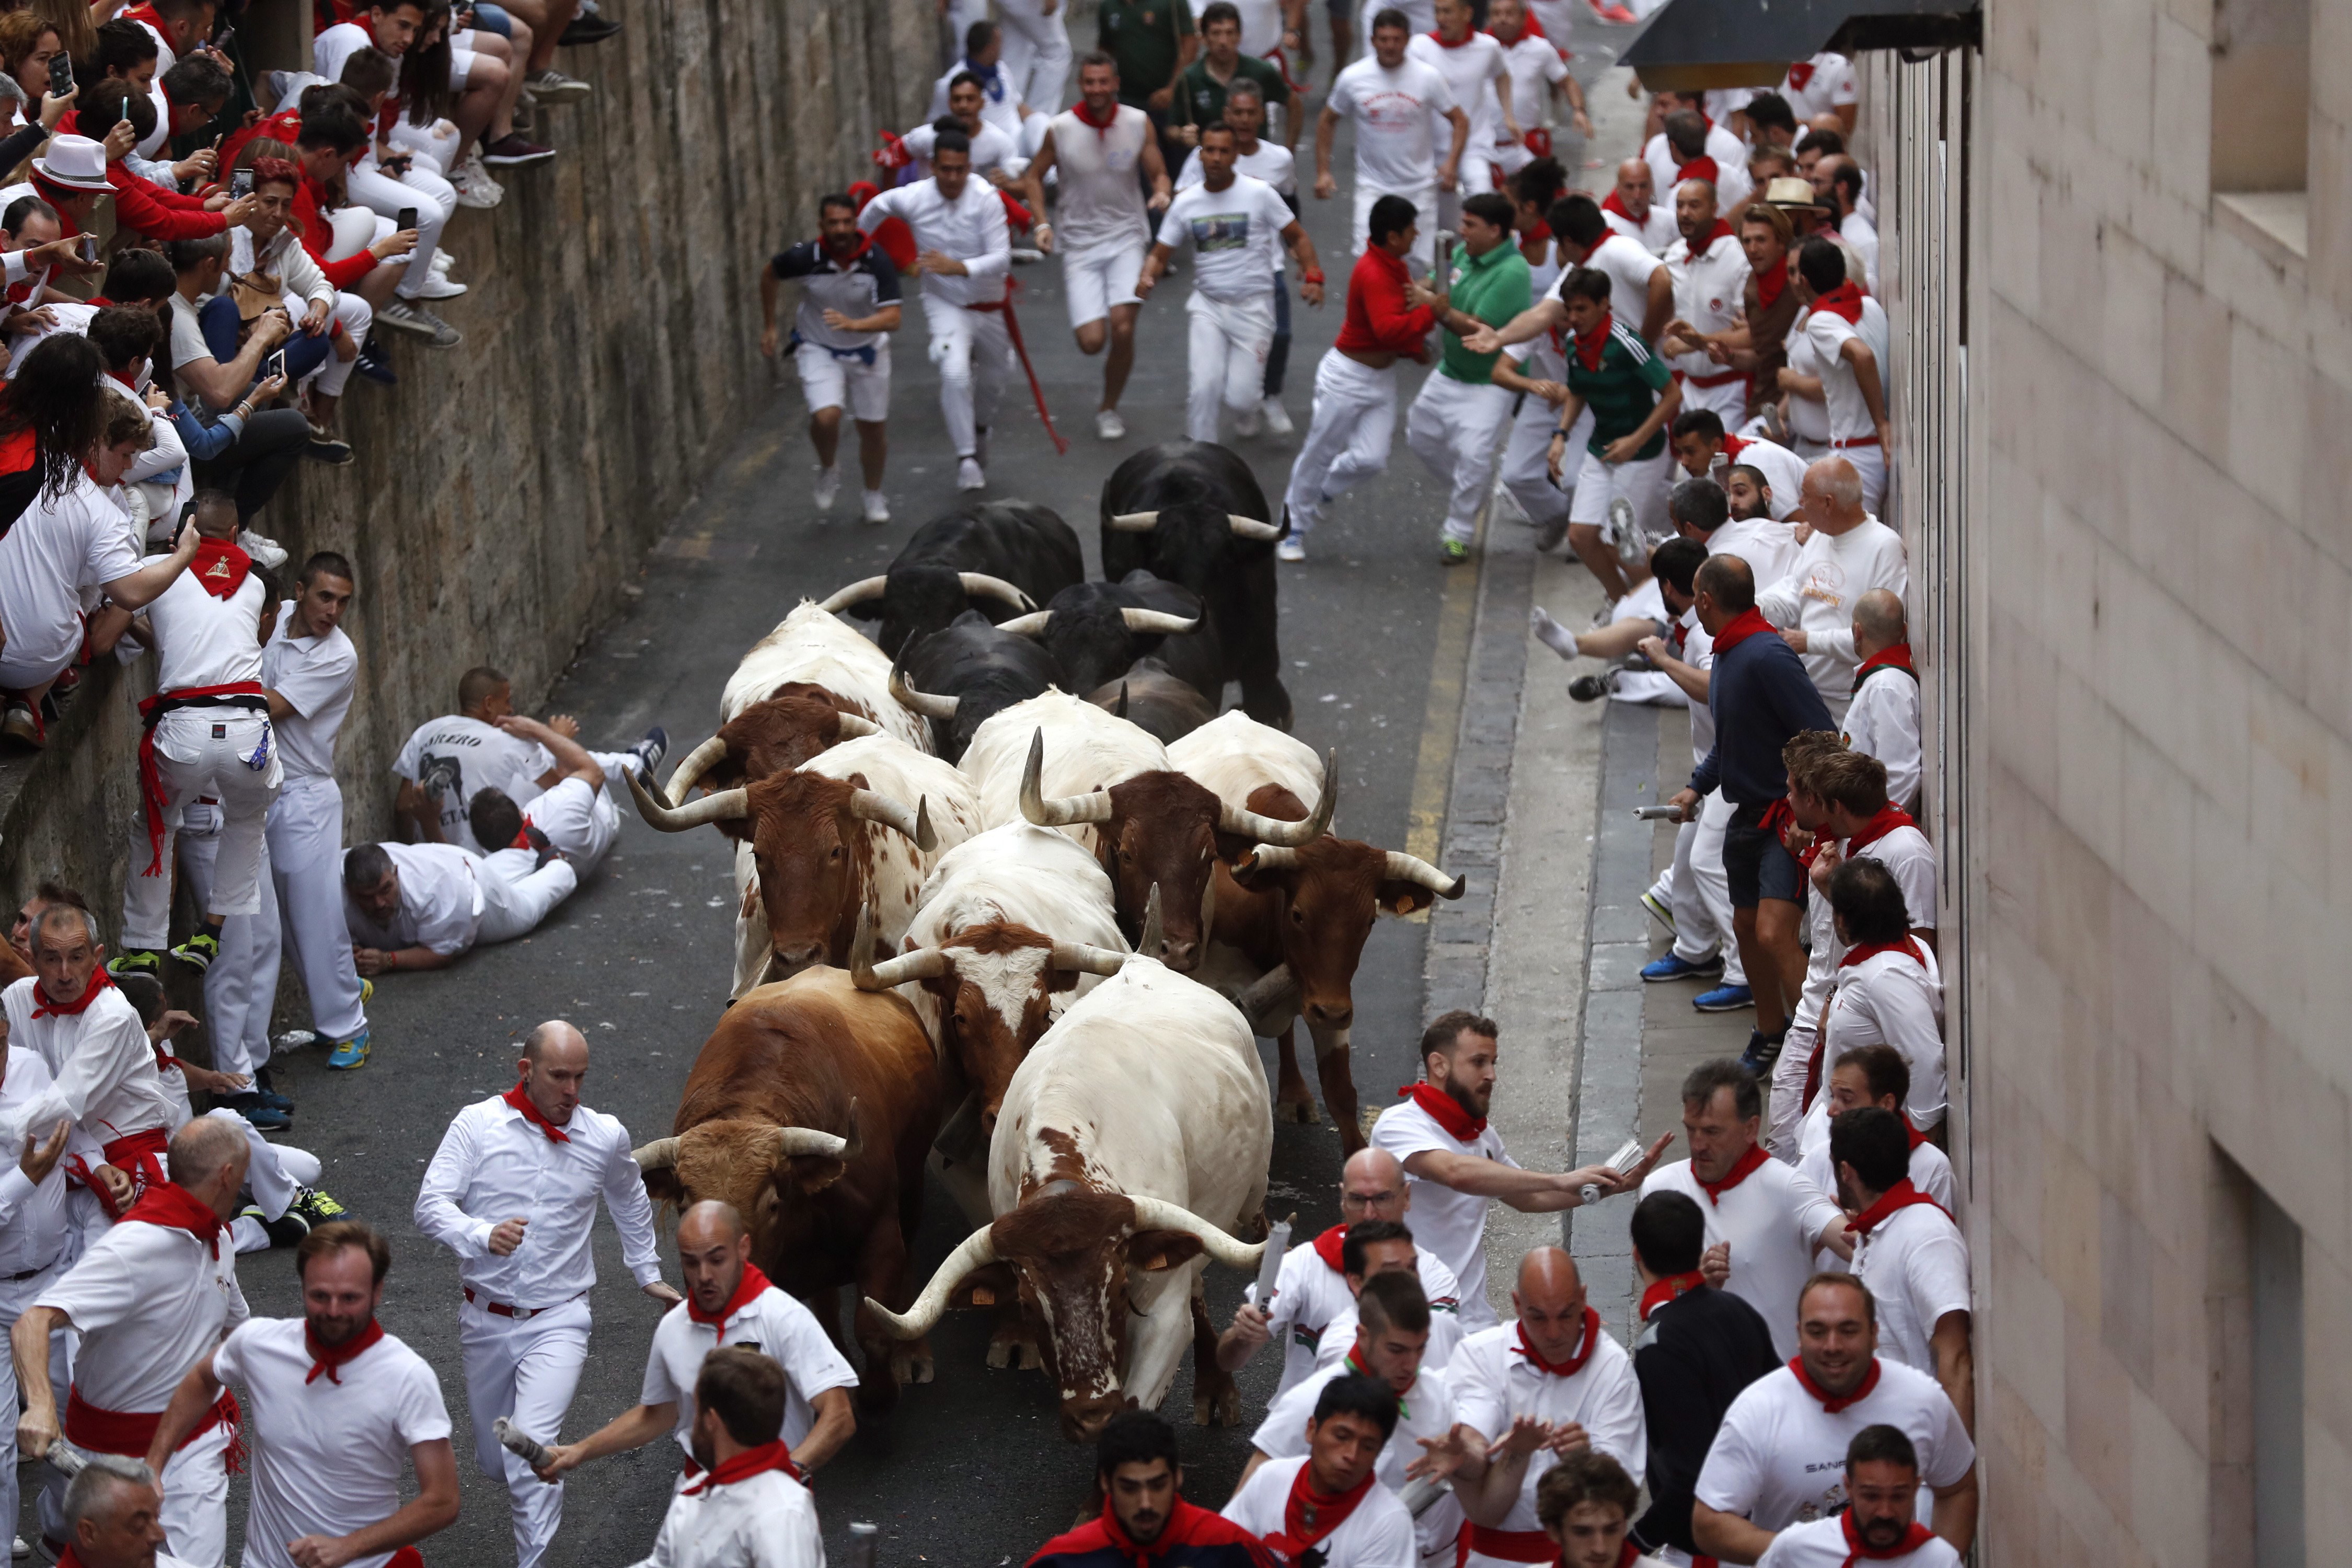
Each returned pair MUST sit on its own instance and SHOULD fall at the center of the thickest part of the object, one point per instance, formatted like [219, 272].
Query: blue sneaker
[266, 1118]
[649, 751]
[349, 1054]
[1672, 967]
[1723, 999]
[1760, 1053]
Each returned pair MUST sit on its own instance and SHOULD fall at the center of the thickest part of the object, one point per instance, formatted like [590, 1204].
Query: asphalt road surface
[972, 1468]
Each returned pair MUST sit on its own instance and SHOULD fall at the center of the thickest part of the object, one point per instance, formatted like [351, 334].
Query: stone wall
[507, 490]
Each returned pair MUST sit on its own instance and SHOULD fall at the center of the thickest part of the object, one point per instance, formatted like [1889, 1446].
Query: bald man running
[1312, 1288]
[1632, 208]
[728, 1302]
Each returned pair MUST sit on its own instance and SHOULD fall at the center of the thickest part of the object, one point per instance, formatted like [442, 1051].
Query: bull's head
[759, 1167]
[1326, 894]
[1095, 639]
[911, 600]
[1164, 830]
[773, 736]
[1072, 1249]
[812, 839]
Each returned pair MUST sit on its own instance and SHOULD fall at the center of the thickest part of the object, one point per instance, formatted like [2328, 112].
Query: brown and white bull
[860, 825]
[1132, 1146]
[810, 1109]
[1291, 922]
[812, 647]
[1060, 761]
[772, 736]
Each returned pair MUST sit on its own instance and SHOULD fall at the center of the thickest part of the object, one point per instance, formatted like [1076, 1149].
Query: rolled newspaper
[1659, 812]
[865, 1543]
[1277, 1242]
[1420, 1494]
[65, 1458]
[1624, 1160]
[520, 1443]
[1440, 276]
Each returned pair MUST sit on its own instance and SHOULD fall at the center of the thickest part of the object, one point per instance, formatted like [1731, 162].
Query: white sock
[1552, 634]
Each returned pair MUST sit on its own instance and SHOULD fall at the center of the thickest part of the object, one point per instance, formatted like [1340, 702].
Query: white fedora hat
[74, 161]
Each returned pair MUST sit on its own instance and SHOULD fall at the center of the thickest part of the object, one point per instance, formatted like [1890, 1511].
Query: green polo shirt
[1144, 36]
[1622, 392]
[1493, 287]
[1201, 98]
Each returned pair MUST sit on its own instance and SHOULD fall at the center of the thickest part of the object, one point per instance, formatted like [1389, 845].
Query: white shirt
[1825, 333]
[772, 1323]
[1861, 233]
[103, 1067]
[1769, 547]
[1236, 236]
[1099, 195]
[440, 902]
[1779, 1458]
[328, 1456]
[1917, 1266]
[1534, 65]
[35, 1221]
[1310, 1296]
[335, 46]
[971, 228]
[1420, 16]
[1784, 473]
[1339, 1335]
[767, 1520]
[317, 677]
[1269, 160]
[1821, 1544]
[149, 1301]
[61, 549]
[992, 149]
[1773, 1219]
[1890, 999]
[581, 823]
[1469, 69]
[999, 105]
[1709, 293]
[494, 1167]
[1883, 722]
[1261, 26]
[1829, 84]
[1377, 1534]
[1494, 1384]
[1653, 233]
[204, 641]
[1733, 187]
[64, 317]
[1428, 1411]
[456, 758]
[1392, 110]
[1450, 1224]
[1911, 860]
[1629, 266]
[1817, 597]
[1698, 652]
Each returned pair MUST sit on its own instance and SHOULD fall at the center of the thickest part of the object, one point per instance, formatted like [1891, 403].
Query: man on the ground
[424, 906]
[574, 817]
[840, 343]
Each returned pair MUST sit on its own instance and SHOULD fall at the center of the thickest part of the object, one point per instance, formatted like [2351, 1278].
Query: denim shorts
[1756, 864]
[494, 19]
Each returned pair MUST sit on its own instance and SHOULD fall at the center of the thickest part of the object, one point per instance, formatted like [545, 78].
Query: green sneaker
[351, 1054]
[198, 952]
[1452, 551]
[315, 1207]
[287, 1230]
[136, 960]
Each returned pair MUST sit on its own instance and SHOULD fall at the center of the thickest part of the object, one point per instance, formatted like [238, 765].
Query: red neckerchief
[1743, 625]
[1863, 951]
[896, 240]
[1912, 1134]
[1771, 281]
[1888, 819]
[1439, 39]
[1102, 128]
[1732, 446]
[1446, 1111]
[769, 1456]
[45, 1008]
[330, 1358]
[1800, 74]
[1539, 237]
[220, 567]
[1901, 1195]
[1915, 1537]
[1575, 1363]
[1845, 301]
[1361, 1370]
[147, 14]
[746, 1289]
[843, 263]
[1721, 230]
[1832, 1404]
[1779, 817]
[1699, 168]
[1589, 345]
[1309, 1516]
[531, 1114]
[1326, 1248]
[1894, 656]
[1741, 1169]
[170, 1205]
[1613, 202]
[1672, 1288]
[522, 839]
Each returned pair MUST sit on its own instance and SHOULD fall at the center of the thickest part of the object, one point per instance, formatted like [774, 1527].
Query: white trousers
[516, 898]
[1036, 58]
[1870, 463]
[1700, 895]
[1729, 402]
[203, 752]
[1784, 1106]
[1452, 429]
[525, 1371]
[1347, 437]
[974, 356]
[305, 833]
[1423, 198]
[242, 985]
[1227, 358]
[17, 1297]
[1527, 459]
[434, 199]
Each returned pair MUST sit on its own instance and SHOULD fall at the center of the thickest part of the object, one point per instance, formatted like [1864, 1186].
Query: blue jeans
[494, 19]
[218, 320]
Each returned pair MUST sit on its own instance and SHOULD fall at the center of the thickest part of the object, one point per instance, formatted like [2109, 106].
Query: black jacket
[1692, 1357]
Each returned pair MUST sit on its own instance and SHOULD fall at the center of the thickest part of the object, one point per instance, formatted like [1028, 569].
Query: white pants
[1526, 461]
[435, 146]
[960, 15]
[1452, 428]
[1645, 482]
[1729, 402]
[525, 1371]
[1700, 895]
[1870, 463]
[829, 380]
[974, 356]
[242, 983]
[516, 898]
[203, 752]
[1423, 255]
[1347, 437]
[434, 199]
[1784, 1108]
[1227, 358]
[1036, 58]
[305, 834]
[1098, 276]
[17, 1296]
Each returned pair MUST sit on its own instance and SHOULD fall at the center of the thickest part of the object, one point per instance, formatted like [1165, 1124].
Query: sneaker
[1453, 551]
[587, 29]
[374, 363]
[828, 488]
[287, 1230]
[526, 115]
[436, 286]
[293, 1040]
[1248, 422]
[1592, 688]
[198, 952]
[316, 1207]
[1671, 967]
[266, 1088]
[969, 476]
[511, 151]
[473, 185]
[19, 1548]
[442, 260]
[23, 726]
[552, 86]
[1108, 425]
[1277, 417]
[1660, 911]
[136, 960]
[650, 749]
[349, 1054]
[266, 1118]
[877, 507]
[329, 449]
[1760, 1053]
[407, 316]
[1727, 999]
[268, 553]
[1290, 547]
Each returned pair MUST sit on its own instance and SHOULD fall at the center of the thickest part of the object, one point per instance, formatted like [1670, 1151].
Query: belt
[865, 356]
[520, 1314]
[1838, 446]
[1725, 379]
[33, 1273]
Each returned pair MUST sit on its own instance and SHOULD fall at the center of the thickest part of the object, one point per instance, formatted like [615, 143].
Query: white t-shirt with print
[456, 758]
[1393, 111]
[1236, 237]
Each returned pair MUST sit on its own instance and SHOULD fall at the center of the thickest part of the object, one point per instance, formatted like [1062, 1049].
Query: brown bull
[770, 737]
[810, 1110]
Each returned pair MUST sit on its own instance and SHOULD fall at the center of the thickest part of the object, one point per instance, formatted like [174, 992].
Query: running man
[849, 302]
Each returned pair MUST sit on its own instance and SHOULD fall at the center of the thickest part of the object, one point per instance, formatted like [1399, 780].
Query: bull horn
[1062, 811]
[1120, 711]
[1284, 835]
[1149, 941]
[923, 964]
[1158, 1213]
[870, 807]
[1087, 958]
[1032, 625]
[1272, 858]
[1135, 521]
[690, 770]
[923, 702]
[1404, 867]
[980, 585]
[976, 1251]
[1143, 622]
[1263, 995]
[660, 1154]
[793, 1142]
[726, 805]
[1251, 528]
[857, 592]
[856, 726]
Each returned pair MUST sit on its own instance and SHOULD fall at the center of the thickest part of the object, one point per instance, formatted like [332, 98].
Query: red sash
[131, 1433]
[140, 1156]
[1013, 331]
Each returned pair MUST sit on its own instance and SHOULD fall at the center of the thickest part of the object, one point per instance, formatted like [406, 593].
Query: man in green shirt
[1633, 398]
[1151, 41]
[1460, 414]
[1201, 88]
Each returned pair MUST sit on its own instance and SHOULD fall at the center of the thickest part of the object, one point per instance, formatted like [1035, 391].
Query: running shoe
[316, 1207]
[1290, 547]
[1672, 967]
[586, 28]
[198, 952]
[1248, 421]
[1727, 999]
[650, 750]
[136, 960]
[1592, 688]
[1453, 551]
[1660, 911]
[512, 150]
[23, 726]
[374, 364]
[828, 488]
[969, 476]
[1277, 417]
[436, 286]
[1108, 425]
[552, 85]
[877, 507]
[287, 1230]
[1760, 1053]
[349, 1054]
[265, 1089]
[408, 316]
[266, 1118]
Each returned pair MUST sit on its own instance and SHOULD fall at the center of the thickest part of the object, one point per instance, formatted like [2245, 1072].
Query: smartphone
[406, 220]
[90, 247]
[274, 365]
[61, 80]
[241, 183]
[221, 43]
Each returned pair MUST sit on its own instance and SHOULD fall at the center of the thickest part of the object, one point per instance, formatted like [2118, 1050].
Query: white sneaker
[442, 261]
[436, 286]
[1290, 548]
[1247, 422]
[474, 176]
[828, 486]
[877, 507]
[1277, 417]
[1108, 425]
[969, 476]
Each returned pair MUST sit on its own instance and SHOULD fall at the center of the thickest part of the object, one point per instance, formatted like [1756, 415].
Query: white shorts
[1100, 277]
[1645, 482]
[830, 381]
[461, 66]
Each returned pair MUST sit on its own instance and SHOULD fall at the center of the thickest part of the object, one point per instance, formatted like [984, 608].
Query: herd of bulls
[1027, 938]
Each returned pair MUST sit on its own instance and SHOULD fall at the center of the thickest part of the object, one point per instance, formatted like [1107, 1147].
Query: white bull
[813, 646]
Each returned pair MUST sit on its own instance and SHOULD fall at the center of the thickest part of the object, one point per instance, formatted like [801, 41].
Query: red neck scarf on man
[331, 1359]
[1746, 1165]
[1863, 951]
[1914, 1538]
[747, 1290]
[531, 1113]
[1743, 625]
[1361, 1370]
[1085, 113]
[220, 567]
[1589, 345]
[1699, 168]
[1446, 1111]
[1721, 230]
[1575, 1363]
[770, 1456]
[1800, 74]
[1309, 1516]
[170, 1205]
[1732, 446]
[1894, 656]
[1832, 1404]
[1444, 42]
[147, 14]
[1771, 281]
[1888, 819]
[1901, 1195]
[1326, 1248]
[45, 1008]
[1614, 203]
[1845, 301]
[1672, 1288]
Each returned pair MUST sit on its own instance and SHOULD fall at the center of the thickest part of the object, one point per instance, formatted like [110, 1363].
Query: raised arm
[571, 758]
[138, 589]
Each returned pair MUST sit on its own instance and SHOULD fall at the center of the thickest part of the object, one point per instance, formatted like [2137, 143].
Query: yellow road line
[1441, 716]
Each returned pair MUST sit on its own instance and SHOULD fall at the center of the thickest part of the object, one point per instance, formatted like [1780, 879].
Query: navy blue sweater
[1760, 696]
